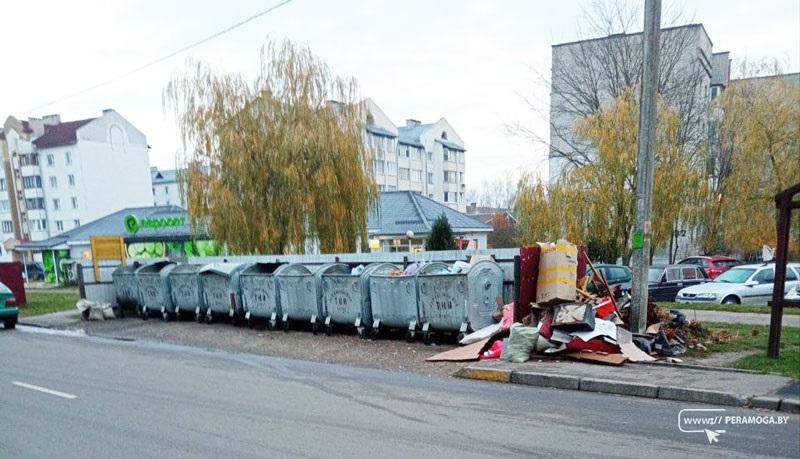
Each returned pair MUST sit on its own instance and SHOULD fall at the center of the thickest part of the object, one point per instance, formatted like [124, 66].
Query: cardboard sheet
[634, 354]
[607, 359]
[461, 354]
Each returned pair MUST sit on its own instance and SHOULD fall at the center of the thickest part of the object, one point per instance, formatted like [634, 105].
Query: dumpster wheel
[362, 332]
[145, 314]
[329, 329]
[426, 337]
[286, 326]
[410, 335]
[198, 317]
[375, 333]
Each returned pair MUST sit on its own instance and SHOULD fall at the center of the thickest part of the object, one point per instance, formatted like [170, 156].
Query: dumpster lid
[187, 268]
[263, 268]
[387, 269]
[128, 269]
[433, 268]
[223, 269]
[155, 267]
[334, 269]
[295, 269]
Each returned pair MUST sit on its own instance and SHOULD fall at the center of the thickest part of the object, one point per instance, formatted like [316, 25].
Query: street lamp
[409, 235]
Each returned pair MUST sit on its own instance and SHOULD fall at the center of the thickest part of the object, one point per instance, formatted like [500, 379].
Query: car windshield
[735, 276]
[654, 274]
[726, 263]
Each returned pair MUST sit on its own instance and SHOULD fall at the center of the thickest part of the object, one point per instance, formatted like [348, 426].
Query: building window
[2, 184]
[379, 167]
[40, 225]
[446, 154]
[416, 175]
[56, 204]
[407, 153]
[31, 159]
[460, 157]
[154, 191]
[391, 168]
[34, 203]
[460, 177]
[32, 181]
[53, 182]
[430, 178]
[446, 195]
[77, 222]
[74, 202]
[51, 160]
[68, 157]
[59, 225]
[71, 180]
[430, 156]
[444, 135]
[166, 189]
[8, 227]
[404, 173]
[449, 177]
[4, 205]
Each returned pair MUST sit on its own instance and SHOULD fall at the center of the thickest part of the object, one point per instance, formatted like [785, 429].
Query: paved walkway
[658, 380]
[750, 318]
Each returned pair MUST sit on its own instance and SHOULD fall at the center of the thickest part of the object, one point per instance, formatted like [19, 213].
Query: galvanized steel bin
[154, 289]
[346, 296]
[126, 288]
[458, 301]
[187, 290]
[260, 297]
[394, 300]
[300, 290]
[221, 291]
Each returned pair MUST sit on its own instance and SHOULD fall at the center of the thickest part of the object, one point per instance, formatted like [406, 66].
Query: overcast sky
[471, 62]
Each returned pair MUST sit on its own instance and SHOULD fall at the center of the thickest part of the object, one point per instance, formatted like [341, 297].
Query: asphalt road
[90, 397]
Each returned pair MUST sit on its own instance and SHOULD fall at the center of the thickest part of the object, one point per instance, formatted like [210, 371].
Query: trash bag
[521, 340]
[91, 310]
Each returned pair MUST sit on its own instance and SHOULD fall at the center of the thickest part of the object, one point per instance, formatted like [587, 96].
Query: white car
[750, 284]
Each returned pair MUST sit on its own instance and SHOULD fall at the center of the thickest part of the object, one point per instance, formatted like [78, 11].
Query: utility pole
[640, 239]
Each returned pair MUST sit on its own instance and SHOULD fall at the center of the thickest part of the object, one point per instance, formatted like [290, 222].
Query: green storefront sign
[133, 224]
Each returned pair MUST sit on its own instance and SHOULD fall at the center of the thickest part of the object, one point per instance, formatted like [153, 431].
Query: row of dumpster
[424, 298]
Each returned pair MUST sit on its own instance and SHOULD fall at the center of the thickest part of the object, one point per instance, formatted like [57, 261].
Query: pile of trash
[568, 322]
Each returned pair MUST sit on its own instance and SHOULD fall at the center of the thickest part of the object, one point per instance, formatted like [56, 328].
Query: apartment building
[166, 190]
[426, 158]
[58, 175]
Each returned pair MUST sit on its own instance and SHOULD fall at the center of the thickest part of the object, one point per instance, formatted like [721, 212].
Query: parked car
[8, 314]
[750, 284]
[713, 265]
[665, 281]
[33, 272]
[614, 274]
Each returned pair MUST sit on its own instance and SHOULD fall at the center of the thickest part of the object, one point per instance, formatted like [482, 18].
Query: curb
[607, 386]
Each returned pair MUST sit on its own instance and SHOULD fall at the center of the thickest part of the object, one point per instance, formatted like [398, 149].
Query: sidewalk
[750, 318]
[665, 381]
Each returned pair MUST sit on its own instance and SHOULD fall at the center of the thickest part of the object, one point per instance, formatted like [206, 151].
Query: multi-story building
[426, 158]
[166, 190]
[60, 174]
[588, 74]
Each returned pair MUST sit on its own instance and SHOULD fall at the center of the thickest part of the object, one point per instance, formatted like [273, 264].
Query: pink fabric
[508, 317]
[494, 351]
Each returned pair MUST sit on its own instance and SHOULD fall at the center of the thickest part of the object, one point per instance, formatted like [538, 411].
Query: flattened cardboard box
[558, 267]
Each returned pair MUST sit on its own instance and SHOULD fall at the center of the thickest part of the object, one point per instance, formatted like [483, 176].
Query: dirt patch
[389, 354]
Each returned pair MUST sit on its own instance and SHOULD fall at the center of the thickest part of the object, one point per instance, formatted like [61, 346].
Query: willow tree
[274, 164]
[757, 155]
[595, 201]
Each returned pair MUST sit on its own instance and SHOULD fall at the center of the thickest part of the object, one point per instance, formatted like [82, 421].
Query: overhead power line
[163, 58]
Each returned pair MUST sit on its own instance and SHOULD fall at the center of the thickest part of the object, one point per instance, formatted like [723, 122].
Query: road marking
[45, 390]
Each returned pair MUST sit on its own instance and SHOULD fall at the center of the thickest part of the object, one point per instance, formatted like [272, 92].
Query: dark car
[666, 281]
[615, 275]
[33, 271]
[713, 265]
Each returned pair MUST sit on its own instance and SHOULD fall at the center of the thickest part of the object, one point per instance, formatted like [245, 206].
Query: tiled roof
[401, 211]
[60, 134]
[114, 224]
[451, 145]
[377, 130]
[412, 133]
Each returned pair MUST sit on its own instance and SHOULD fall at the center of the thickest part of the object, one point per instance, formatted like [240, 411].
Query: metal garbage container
[394, 299]
[459, 297]
[260, 297]
[187, 290]
[300, 290]
[221, 293]
[346, 295]
[126, 288]
[154, 289]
